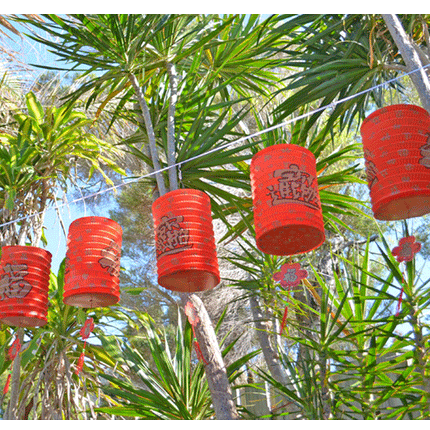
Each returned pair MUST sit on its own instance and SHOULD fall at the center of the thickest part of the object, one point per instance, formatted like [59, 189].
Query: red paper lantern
[93, 263]
[396, 143]
[24, 285]
[185, 243]
[287, 210]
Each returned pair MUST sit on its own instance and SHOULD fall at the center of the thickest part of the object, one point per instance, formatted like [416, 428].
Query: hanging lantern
[287, 209]
[185, 243]
[396, 144]
[24, 285]
[92, 263]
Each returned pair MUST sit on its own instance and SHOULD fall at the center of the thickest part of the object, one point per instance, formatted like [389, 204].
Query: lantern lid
[392, 108]
[282, 147]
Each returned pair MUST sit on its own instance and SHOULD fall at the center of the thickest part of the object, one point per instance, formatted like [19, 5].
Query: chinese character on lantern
[293, 185]
[12, 284]
[111, 259]
[171, 237]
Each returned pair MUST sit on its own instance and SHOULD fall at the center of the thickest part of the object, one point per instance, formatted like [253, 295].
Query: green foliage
[173, 386]
[359, 361]
[348, 355]
[38, 158]
[50, 389]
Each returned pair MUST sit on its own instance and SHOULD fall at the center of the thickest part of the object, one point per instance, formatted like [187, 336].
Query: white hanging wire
[226, 145]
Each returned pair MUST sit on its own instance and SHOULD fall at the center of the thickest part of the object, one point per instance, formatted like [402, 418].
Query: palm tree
[177, 67]
[344, 56]
[194, 79]
[38, 158]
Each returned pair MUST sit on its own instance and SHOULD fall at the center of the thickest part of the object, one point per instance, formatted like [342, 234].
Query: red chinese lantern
[92, 263]
[396, 143]
[287, 210]
[185, 243]
[24, 285]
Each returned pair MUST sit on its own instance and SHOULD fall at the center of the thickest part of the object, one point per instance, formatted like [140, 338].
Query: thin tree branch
[150, 130]
[171, 147]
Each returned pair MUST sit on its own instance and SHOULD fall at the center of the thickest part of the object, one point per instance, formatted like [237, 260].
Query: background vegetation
[193, 98]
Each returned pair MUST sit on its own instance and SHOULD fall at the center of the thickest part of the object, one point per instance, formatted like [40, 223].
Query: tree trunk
[12, 409]
[271, 356]
[410, 57]
[219, 386]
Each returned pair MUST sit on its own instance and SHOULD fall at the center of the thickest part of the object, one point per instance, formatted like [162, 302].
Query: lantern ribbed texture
[24, 285]
[92, 263]
[185, 243]
[287, 210]
[396, 144]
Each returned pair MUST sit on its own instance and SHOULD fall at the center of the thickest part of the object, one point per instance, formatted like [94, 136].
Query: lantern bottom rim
[189, 281]
[291, 239]
[91, 300]
[400, 206]
[24, 321]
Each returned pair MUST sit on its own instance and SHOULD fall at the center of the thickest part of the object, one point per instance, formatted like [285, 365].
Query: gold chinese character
[293, 185]
[111, 259]
[12, 284]
[171, 237]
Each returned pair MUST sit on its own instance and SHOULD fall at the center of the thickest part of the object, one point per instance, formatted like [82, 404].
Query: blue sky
[28, 52]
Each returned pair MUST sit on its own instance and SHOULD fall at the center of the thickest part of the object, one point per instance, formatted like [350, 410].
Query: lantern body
[396, 144]
[92, 263]
[287, 210]
[24, 285]
[185, 243]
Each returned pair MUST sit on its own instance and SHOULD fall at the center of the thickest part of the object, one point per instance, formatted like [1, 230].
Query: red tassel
[80, 365]
[81, 361]
[191, 313]
[199, 352]
[6, 387]
[284, 320]
[399, 303]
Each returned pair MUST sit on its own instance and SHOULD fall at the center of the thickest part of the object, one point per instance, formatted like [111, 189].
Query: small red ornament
[87, 329]
[191, 313]
[407, 249]
[14, 349]
[85, 332]
[289, 276]
[6, 387]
